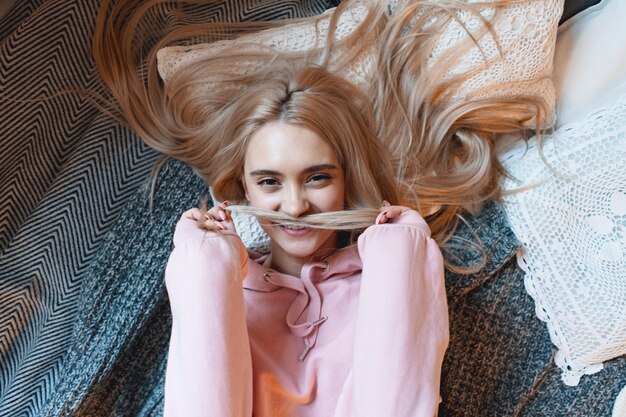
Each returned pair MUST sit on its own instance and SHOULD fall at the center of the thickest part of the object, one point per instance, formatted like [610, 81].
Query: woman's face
[291, 169]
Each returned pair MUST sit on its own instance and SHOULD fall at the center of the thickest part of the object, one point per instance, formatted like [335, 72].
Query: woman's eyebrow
[263, 172]
[321, 167]
[314, 168]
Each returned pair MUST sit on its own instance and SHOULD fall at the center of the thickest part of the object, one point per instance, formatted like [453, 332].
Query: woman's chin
[300, 250]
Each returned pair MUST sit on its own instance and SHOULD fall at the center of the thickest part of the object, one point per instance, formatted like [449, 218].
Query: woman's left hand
[389, 212]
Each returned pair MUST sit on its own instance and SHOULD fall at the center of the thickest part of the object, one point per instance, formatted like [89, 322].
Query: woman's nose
[295, 203]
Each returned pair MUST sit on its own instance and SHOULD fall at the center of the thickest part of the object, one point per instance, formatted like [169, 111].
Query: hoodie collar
[304, 316]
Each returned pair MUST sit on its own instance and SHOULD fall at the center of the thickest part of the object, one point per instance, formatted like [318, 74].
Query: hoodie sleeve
[209, 370]
[402, 323]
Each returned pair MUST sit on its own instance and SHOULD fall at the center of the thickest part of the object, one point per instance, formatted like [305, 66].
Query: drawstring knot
[308, 298]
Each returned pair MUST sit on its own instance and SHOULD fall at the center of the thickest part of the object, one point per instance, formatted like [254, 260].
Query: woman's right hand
[215, 219]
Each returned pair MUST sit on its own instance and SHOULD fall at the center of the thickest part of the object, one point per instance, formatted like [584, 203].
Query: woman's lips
[295, 231]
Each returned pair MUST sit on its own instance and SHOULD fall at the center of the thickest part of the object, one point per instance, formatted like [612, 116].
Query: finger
[215, 210]
[393, 211]
[381, 218]
[227, 214]
[212, 224]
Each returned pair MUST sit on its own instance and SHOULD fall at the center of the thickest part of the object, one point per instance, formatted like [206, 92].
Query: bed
[84, 317]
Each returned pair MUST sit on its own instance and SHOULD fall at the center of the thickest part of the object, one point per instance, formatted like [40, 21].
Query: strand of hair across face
[335, 220]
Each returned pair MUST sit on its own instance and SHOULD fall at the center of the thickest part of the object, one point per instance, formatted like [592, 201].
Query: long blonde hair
[403, 141]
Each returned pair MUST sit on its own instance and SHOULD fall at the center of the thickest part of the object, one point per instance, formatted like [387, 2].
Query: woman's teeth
[293, 227]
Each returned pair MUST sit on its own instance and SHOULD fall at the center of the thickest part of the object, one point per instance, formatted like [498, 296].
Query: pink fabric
[373, 315]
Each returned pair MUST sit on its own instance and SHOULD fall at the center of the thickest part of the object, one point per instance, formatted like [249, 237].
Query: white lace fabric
[517, 61]
[249, 230]
[572, 224]
[296, 37]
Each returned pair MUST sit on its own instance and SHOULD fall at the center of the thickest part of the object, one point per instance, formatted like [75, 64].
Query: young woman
[346, 316]
[323, 325]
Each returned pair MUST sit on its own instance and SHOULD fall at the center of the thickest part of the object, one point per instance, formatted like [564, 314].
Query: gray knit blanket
[84, 317]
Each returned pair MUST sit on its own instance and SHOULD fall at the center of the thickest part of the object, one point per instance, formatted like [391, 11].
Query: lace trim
[572, 225]
[571, 373]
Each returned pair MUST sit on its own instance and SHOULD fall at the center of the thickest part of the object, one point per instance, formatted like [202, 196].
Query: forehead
[281, 146]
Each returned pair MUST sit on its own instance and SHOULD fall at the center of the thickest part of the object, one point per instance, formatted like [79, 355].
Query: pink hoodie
[362, 334]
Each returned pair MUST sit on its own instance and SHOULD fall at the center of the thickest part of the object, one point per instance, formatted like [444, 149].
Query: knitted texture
[116, 362]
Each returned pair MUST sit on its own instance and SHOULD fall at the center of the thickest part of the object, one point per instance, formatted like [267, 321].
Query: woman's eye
[268, 182]
[319, 178]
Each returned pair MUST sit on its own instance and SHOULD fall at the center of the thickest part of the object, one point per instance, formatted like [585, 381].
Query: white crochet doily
[572, 224]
